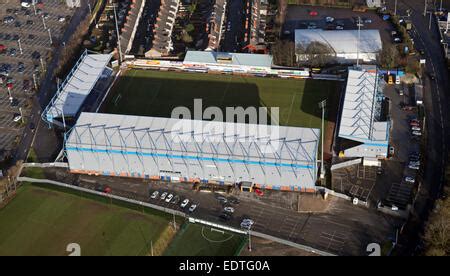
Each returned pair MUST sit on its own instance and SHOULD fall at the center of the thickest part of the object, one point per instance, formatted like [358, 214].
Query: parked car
[229, 209]
[163, 196]
[192, 208]
[247, 224]
[169, 198]
[26, 85]
[391, 151]
[184, 203]
[313, 13]
[259, 192]
[329, 19]
[415, 128]
[175, 200]
[222, 199]
[413, 167]
[154, 195]
[17, 117]
[233, 200]
[225, 217]
[417, 133]
[410, 179]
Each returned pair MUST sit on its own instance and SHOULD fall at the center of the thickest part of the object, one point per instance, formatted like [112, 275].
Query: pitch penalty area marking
[216, 241]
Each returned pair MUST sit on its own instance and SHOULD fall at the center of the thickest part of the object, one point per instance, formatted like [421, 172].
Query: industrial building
[360, 122]
[74, 90]
[345, 45]
[271, 157]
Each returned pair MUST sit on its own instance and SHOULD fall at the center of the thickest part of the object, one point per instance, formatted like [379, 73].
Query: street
[436, 105]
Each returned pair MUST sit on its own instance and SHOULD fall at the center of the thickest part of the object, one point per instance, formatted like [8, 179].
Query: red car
[258, 192]
[313, 13]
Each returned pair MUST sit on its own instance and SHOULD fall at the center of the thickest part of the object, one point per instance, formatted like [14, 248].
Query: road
[436, 100]
[47, 87]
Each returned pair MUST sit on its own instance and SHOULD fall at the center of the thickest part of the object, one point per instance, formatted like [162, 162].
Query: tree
[283, 52]
[388, 57]
[189, 28]
[315, 54]
[186, 38]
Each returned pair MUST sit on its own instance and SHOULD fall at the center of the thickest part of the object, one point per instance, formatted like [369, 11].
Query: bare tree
[388, 57]
[315, 54]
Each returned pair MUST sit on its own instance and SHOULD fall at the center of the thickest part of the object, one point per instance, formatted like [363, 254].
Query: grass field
[155, 93]
[199, 240]
[43, 221]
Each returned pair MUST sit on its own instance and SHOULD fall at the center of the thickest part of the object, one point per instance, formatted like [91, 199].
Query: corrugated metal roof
[257, 60]
[358, 111]
[77, 86]
[342, 41]
[267, 155]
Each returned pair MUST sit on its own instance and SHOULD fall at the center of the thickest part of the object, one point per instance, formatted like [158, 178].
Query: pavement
[339, 228]
[436, 99]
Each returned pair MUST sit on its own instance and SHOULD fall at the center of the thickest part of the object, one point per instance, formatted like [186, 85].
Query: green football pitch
[199, 240]
[155, 93]
[43, 221]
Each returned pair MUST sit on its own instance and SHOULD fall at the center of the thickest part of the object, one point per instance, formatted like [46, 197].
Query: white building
[271, 157]
[360, 124]
[346, 46]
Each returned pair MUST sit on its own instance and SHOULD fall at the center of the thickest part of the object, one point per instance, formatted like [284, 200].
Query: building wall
[368, 150]
[348, 58]
[192, 169]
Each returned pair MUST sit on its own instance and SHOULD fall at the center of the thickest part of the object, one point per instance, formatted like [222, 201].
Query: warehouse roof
[210, 57]
[77, 85]
[342, 41]
[358, 112]
[263, 153]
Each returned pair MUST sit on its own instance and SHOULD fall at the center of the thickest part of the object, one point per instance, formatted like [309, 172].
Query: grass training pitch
[43, 221]
[155, 93]
[199, 240]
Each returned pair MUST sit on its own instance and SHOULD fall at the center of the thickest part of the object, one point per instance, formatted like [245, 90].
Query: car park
[169, 198]
[184, 203]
